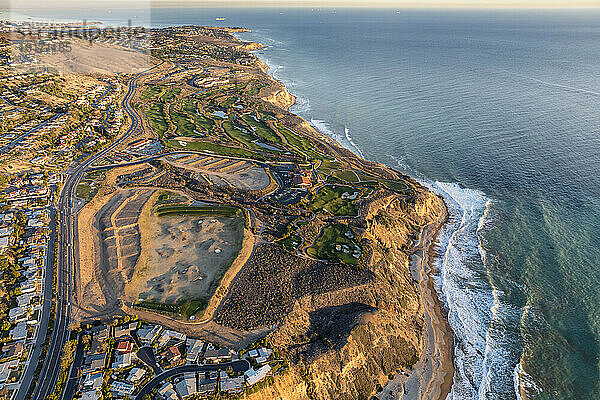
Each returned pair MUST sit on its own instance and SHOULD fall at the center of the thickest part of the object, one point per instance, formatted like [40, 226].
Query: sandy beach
[432, 376]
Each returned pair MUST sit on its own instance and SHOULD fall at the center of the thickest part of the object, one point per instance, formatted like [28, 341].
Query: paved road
[19, 138]
[67, 236]
[45, 316]
[237, 366]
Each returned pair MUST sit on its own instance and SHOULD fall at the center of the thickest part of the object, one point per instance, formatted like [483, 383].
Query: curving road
[237, 366]
[48, 377]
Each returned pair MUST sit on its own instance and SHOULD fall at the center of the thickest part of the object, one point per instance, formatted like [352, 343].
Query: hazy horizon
[408, 4]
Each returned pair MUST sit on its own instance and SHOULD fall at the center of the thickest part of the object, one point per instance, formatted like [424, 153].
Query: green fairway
[261, 129]
[338, 200]
[184, 209]
[156, 119]
[336, 243]
[215, 148]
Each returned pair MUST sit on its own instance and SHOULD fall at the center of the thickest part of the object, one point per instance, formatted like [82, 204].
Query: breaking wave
[483, 352]
[345, 140]
[302, 104]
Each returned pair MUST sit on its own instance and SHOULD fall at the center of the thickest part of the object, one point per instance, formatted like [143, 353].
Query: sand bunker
[184, 257]
[224, 172]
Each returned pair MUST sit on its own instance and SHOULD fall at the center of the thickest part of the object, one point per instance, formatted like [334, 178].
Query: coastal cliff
[280, 97]
[347, 344]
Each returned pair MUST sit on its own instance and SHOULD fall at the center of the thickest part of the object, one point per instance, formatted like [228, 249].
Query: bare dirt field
[84, 58]
[221, 171]
[97, 285]
[115, 250]
[183, 257]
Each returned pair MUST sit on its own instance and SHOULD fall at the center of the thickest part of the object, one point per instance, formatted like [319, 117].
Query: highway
[45, 316]
[48, 377]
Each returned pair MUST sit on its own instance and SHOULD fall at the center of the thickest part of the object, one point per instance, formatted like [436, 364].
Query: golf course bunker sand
[222, 171]
[183, 260]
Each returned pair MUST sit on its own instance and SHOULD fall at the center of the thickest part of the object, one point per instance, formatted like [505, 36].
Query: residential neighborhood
[24, 239]
[122, 360]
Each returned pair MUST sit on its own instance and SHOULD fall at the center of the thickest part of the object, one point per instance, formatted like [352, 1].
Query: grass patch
[216, 148]
[228, 102]
[291, 242]
[396, 186]
[337, 200]
[239, 136]
[183, 209]
[256, 89]
[201, 122]
[156, 119]
[83, 190]
[170, 94]
[183, 124]
[348, 176]
[332, 242]
[261, 129]
[151, 92]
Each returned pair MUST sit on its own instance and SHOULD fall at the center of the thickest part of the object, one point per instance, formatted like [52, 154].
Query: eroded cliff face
[343, 344]
[280, 97]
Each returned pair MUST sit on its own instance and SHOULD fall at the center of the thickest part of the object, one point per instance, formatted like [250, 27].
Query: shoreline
[433, 375]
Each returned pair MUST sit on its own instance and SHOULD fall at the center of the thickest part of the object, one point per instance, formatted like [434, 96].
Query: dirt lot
[221, 171]
[183, 257]
[116, 248]
[99, 273]
[97, 58]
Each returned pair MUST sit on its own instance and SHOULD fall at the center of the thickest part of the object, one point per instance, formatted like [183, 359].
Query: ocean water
[497, 111]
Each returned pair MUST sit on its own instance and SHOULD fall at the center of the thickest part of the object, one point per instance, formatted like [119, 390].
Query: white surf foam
[351, 141]
[474, 306]
[302, 104]
[345, 140]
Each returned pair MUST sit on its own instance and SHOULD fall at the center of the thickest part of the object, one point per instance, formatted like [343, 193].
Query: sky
[397, 4]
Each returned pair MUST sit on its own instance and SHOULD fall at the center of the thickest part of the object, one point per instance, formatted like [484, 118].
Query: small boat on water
[220, 19]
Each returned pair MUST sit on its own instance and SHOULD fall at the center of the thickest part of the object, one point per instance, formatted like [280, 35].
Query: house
[124, 347]
[194, 346]
[122, 331]
[122, 388]
[4, 372]
[92, 381]
[136, 374]
[17, 314]
[191, 382]
[24, 299]
[172, 354]
[122, 361]
[187, 386]
[4, 243]
[219, 355]
[91, 395]
[96, 361]
[232, 385]
[27, 287]
[167, 391]
[301, 180]
[100, 333]
[148, 334]
[19, 332]
[255, 376]
[168, 335]
[206, 384]
[12, 350]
